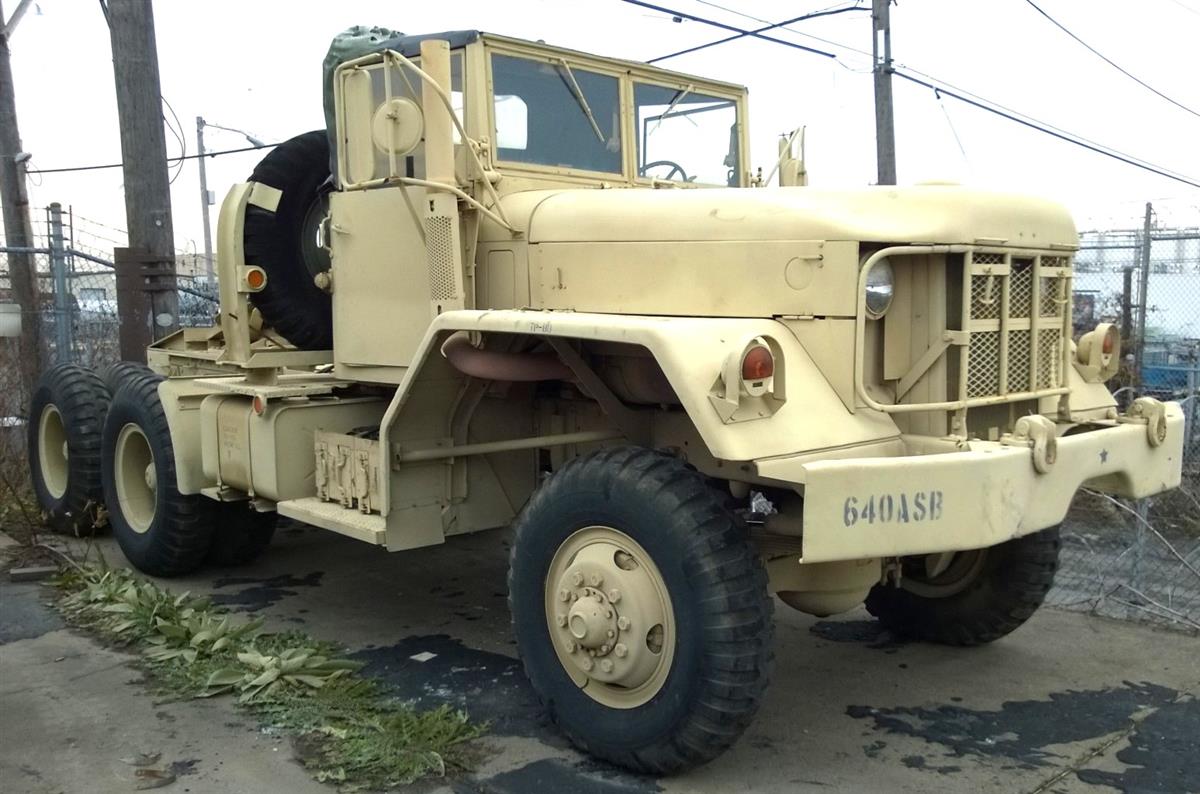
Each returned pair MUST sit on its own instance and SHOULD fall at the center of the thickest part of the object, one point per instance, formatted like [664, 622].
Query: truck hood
[921, 214]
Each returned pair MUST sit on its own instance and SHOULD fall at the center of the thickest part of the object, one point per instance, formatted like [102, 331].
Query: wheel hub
[610, 617]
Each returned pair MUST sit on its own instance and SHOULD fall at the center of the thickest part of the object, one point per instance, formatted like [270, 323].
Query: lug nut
[611, 633]
[561, 620]
[587, 664]
[614, 595]
[620, 650]
[609, 613]
[597, 580]
[564, 595]
[570, 646]
[604, 648]
[577, 578]
[606, 666]
[623, 623]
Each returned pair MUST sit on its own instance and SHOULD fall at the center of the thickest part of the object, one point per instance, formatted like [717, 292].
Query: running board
[369, 527]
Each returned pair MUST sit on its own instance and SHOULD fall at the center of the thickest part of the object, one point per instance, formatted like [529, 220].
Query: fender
[693, 353]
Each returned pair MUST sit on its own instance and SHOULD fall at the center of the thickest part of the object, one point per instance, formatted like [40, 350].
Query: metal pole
[64, 348]
[205, 202]
[18, 228]
[885, 132]
[1139, 350]
[147, 300]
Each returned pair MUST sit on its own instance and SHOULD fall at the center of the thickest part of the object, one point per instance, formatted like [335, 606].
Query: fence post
[1139, 351]
[64, 348]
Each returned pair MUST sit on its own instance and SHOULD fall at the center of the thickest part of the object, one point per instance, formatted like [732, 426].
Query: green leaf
[225, 677]
[314, 681]
[265, 678]
[220, 645]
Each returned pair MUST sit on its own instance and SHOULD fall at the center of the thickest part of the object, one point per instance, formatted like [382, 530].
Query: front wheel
[969, 597]
[641, 610]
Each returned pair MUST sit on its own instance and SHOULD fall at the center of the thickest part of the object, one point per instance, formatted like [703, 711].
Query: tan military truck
[513, 284]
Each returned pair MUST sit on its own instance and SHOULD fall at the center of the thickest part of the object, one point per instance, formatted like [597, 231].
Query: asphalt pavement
[1068, 703]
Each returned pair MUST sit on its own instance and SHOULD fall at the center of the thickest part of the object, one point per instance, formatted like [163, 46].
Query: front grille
[1016, 320]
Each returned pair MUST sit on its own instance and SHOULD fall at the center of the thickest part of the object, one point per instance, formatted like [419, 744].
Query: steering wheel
[676, 168]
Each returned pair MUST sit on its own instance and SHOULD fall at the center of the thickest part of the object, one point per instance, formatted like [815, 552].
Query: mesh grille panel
[1049, 371]
[1051, 299]
[1019, 350]
[1020, 288]
[983, 364]
[439, 243]
[987, 259]
[985, 297]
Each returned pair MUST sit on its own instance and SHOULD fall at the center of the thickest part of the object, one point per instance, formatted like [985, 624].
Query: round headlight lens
[880, 288]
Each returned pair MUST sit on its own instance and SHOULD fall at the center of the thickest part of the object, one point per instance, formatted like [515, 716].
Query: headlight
[880, 288]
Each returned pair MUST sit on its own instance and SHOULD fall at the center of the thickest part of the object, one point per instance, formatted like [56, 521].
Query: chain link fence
[1127, 560]
[76, 315]
[1141, 560]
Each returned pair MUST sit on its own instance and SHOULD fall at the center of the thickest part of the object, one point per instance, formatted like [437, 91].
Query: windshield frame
[627, 74]
[683, 90]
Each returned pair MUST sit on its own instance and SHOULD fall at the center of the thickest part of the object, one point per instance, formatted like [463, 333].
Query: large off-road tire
[284, 242]
[161, 531]
[980, 596]
[65, 420]
[636, 543]
[241, 534]
[116, 374]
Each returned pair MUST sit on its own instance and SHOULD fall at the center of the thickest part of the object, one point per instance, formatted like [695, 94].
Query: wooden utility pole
[147, 301]
[885, 132]
[18, 230]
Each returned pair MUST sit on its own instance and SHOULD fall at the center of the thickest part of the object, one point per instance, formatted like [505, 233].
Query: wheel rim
[314, 256]
[135, 477]
[53, 455]
[933, 576]
[610, 617]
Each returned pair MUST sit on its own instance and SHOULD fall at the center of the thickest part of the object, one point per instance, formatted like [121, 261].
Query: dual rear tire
[104, 440]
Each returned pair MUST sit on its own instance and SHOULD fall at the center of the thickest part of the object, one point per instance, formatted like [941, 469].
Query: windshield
[551, 113]
[686, 136]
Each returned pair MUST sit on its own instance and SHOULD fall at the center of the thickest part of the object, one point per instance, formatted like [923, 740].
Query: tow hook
[1153, 414]
[1038, 433]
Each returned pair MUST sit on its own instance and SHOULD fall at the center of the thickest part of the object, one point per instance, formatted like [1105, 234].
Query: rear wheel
[284, 242]
[161, 531]
[969, 597]
[65, 420]
[640, 610]
[116, 374]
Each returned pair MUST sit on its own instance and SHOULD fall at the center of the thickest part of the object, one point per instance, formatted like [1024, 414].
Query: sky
[255, 65]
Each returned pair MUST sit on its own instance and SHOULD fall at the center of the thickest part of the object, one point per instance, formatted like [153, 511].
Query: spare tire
[284, 242]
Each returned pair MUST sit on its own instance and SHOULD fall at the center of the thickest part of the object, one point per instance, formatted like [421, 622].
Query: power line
[169, 159]
[741, 32]
[1060, 135]
[773, 26]
[1109, 61]
[978, 101]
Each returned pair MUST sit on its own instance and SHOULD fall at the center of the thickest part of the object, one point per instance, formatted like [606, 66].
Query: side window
[686, 136]
[555, 114]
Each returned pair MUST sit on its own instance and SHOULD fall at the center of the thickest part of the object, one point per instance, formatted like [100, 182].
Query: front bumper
[987, 494]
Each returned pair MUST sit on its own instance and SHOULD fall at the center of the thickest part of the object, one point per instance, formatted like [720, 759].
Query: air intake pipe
[496, 365]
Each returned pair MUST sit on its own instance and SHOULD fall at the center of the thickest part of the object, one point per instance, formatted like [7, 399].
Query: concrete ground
[1069, 703]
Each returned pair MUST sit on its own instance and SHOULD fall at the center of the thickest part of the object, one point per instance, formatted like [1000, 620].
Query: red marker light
[1110, 342]
[758, 364]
